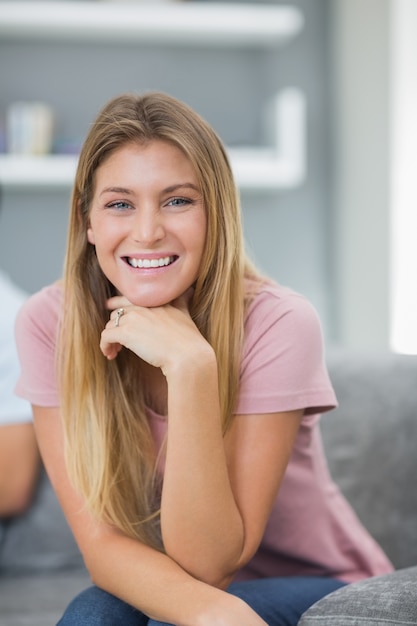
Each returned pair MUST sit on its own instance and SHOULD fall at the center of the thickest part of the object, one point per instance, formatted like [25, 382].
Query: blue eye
[179, 202]
[119, 205]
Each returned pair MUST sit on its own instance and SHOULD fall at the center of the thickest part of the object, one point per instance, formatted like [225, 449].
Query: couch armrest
[388, 600]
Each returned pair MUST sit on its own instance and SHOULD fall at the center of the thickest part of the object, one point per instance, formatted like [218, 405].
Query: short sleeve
[36, 330]
[283, 366]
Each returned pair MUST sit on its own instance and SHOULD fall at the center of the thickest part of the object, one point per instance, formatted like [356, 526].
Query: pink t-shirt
[312, 530]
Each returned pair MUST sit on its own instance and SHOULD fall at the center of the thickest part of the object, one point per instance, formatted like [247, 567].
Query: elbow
[218, 577]
[220, 572]
[92, 562]
[95, 577]
[222, 576]
[95, 571]
[214, 568]
[97, 554]
[218, 580]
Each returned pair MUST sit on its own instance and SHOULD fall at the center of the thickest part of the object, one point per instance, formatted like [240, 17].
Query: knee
[95, 607]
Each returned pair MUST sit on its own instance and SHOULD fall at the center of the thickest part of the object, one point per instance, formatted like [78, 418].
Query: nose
[147, 226]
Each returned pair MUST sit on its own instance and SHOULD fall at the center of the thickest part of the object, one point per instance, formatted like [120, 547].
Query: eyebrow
[116, 190]
[169, 189]
[181, 186]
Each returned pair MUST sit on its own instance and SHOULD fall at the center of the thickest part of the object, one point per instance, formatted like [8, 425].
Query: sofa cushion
[389, 600]
[41, 599]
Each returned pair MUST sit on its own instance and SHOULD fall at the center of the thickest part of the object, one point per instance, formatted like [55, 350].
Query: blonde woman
[176, 394]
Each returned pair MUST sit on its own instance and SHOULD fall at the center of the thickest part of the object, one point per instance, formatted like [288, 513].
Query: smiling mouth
[150, 263]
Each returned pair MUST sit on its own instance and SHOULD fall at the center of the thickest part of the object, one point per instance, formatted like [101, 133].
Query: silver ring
[119, 314]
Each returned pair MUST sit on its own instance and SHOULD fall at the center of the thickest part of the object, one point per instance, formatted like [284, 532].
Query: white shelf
[280, 166]
[28, 172]
[181, 23]
[253, 169]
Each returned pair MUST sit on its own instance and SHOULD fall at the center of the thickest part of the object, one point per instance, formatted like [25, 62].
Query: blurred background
[315, 99]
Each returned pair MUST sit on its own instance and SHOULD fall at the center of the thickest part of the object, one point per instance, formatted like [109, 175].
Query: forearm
[201, 525]
[152, 582]
[141, 576]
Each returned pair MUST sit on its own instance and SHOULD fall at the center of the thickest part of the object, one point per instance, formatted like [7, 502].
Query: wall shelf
[28, 172]
[181, 23]
[279, 166]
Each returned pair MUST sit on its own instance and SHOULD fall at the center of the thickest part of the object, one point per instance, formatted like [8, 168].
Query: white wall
[403, 50]
[374, 44]
[360, 36]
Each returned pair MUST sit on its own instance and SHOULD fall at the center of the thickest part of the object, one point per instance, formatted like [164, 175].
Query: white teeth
[150, 262]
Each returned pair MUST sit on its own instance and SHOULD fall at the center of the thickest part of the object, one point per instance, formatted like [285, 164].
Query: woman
[177, 443]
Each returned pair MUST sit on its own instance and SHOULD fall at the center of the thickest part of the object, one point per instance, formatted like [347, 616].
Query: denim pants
[279, 601]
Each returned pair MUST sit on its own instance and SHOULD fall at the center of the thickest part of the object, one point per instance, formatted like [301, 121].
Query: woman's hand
[162, 336]
[229, 610]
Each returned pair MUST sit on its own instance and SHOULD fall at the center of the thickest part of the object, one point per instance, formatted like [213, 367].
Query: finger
[117, 302]
[115, 316]
[109, 349]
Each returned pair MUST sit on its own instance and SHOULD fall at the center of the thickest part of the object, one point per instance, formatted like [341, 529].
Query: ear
[90, 236]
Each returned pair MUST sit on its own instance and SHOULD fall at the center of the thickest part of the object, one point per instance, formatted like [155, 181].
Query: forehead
[145, 163]
[149, 149]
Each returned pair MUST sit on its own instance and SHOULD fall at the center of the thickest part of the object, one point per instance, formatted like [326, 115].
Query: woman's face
[147, 222]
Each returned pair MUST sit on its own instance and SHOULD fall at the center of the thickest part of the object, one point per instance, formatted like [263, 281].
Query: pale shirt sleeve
[13, 410]
[36, 331]
[283, 366]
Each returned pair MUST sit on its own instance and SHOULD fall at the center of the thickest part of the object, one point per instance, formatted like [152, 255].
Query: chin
[148, 301]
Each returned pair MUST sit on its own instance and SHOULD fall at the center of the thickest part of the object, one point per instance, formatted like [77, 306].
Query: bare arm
[148, 580]
[19, 468]
[217, 495]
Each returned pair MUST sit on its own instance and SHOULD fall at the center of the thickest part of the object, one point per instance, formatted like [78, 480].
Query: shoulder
[275, 304]
[36, 340]
[40, 312]
[47, 299]
[282, 366]
[282, 328]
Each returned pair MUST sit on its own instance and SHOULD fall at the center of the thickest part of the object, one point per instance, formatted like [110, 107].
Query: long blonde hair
[109, 448]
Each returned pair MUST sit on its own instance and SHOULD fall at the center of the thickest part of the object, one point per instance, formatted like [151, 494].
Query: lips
[150, 263]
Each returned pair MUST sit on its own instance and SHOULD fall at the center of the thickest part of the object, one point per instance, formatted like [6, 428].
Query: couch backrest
[371, 445]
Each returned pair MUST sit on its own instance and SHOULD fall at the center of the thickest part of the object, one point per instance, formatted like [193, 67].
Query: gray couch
[371, 442]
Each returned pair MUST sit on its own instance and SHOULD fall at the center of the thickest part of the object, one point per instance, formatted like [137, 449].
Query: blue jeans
[279, 601]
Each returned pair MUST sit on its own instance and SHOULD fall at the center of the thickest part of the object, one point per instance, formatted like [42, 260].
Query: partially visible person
[19, 457]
